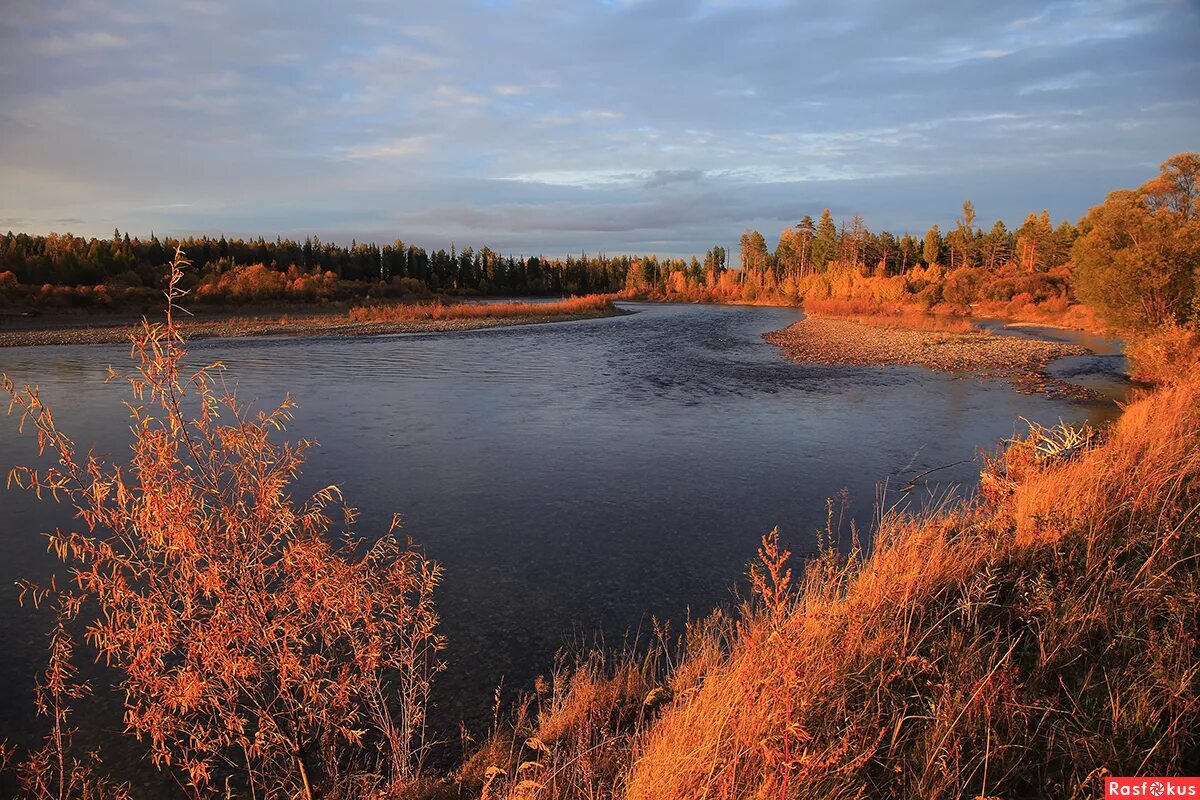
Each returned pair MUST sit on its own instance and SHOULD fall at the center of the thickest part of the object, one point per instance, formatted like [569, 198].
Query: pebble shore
[840, 341]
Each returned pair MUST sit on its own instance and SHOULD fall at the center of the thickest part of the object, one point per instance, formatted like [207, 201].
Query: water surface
[571, 477]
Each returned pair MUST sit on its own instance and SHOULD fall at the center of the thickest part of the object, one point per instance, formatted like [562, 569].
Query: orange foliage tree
[254, 645]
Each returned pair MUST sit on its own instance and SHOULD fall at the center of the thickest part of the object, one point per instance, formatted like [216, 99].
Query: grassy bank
[894, 317]
[1023, 644]
[424, 317]
[406, 312]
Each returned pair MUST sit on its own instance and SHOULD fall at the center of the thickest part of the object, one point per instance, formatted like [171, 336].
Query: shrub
[1169, 355]
[252, 642]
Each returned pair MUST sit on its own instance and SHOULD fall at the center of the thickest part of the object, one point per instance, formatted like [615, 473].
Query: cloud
[666, 177]
[615, 125]
[404, 147]
[77, 43]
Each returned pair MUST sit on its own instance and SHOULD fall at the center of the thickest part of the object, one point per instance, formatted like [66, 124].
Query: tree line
[1152, 231]
[125, 262]
[812, 247]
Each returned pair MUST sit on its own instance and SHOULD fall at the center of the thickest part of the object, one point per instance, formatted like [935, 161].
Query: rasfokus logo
[1151, 787]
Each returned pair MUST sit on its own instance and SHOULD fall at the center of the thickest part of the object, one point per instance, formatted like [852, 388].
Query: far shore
[845, 341]
[30, 332]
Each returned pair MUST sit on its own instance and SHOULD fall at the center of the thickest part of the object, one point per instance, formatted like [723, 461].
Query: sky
[563, 126]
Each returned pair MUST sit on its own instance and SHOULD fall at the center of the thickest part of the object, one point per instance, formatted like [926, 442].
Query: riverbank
[840, 341]
[954, 657]
[41, 332]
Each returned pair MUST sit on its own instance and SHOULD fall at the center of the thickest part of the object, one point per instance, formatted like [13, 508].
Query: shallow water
[571, 478]
[1103, 371]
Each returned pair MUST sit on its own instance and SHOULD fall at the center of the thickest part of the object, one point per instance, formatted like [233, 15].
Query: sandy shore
[281, 325]
[839, 341]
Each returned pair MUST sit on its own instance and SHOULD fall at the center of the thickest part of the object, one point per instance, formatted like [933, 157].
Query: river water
[572, 478]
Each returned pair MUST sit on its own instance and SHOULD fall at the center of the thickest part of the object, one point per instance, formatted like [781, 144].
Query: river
[572, 478]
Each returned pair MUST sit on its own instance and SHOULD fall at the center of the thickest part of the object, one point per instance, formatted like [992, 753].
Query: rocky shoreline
[276, 326]
[841, 341]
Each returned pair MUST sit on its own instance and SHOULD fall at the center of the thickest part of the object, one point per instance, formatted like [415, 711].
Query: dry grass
[578, 734]
[1023, 644]
[1058, 313]
[1168, 355]
[887, 316]
[410, 312]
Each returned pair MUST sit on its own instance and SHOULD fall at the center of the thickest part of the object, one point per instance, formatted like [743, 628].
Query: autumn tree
[788, 252]
[855, 241]
[635, 278]
[1177, 188]
[995, 245]
[755, 257]
[714, 265]
[1137, 260]
[806, 229]
[909, 252]
[880, 250]
[1034, 242]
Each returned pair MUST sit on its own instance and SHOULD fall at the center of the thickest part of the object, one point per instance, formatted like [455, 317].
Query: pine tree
[824, 244]
[932, 251]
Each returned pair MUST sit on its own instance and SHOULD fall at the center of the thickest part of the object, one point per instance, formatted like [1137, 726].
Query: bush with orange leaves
[256, 649]
[1168, 354]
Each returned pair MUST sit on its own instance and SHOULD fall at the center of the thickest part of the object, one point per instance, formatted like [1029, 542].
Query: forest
[61, 269]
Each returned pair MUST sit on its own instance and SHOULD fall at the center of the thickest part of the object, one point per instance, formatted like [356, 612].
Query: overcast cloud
[552, 126]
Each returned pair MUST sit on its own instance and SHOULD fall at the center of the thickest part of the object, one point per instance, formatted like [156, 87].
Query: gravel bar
[1021, 361]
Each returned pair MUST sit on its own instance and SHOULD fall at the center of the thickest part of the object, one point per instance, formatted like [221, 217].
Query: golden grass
[1022, 644]
[1019, 645]
[886, 316]
[1059, 313]
[411, 312]
[1167, 355]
